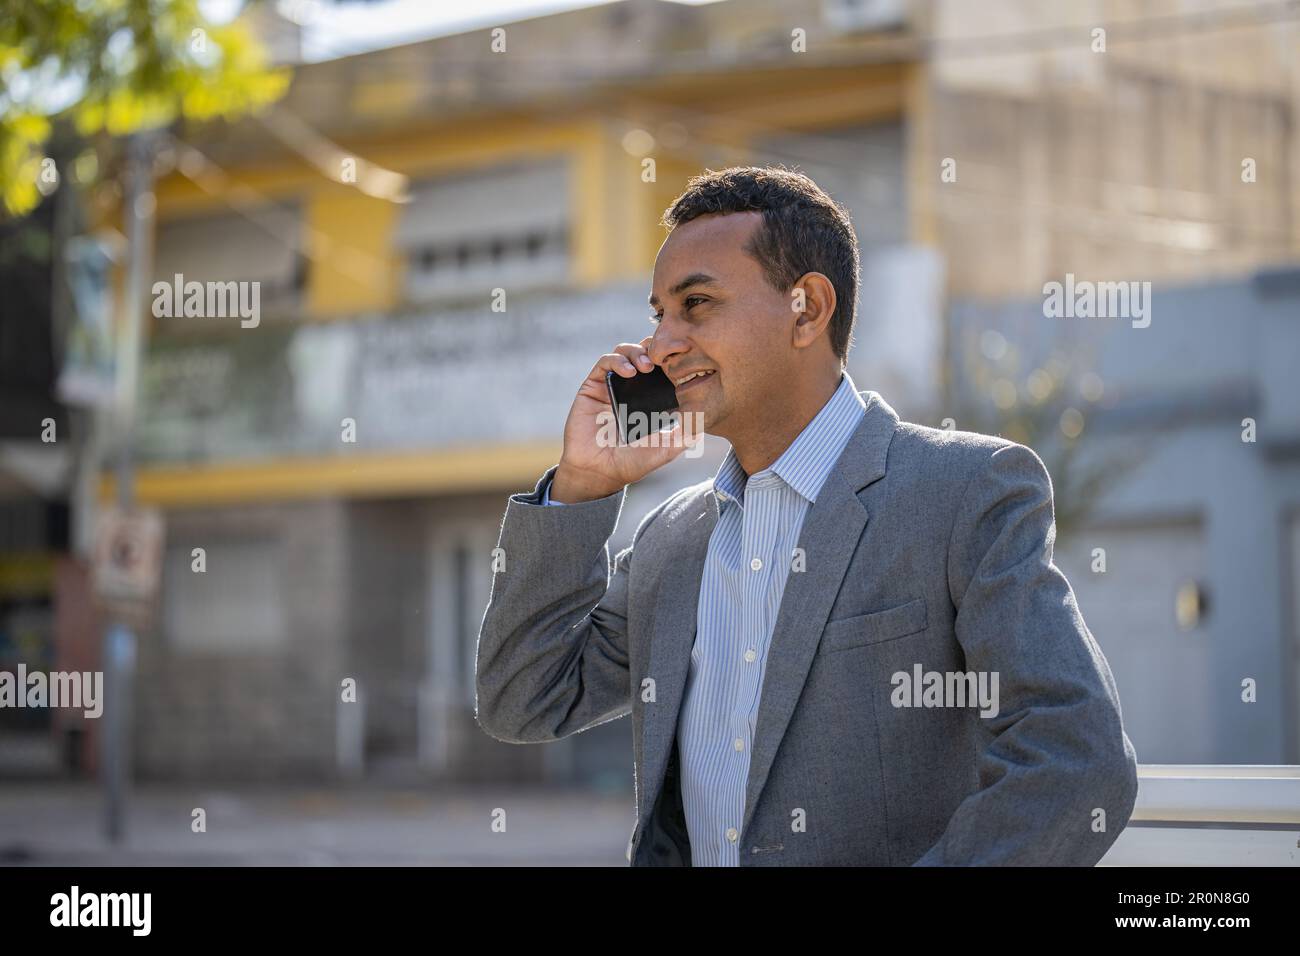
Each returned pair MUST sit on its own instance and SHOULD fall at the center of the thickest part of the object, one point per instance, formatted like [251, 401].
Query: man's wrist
[568, 487]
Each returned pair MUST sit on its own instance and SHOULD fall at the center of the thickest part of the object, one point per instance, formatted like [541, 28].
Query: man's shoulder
[682, 501]
[688, 499]
[955, 456]
[921, 445]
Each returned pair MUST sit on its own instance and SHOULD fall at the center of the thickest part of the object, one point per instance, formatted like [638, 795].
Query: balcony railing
[1229, 815]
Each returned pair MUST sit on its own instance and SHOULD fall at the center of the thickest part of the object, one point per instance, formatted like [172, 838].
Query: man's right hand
[589, 469]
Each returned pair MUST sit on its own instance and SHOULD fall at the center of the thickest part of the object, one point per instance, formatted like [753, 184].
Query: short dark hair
[803, 230]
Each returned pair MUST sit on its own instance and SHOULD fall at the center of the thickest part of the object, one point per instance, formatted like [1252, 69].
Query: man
[774, 632]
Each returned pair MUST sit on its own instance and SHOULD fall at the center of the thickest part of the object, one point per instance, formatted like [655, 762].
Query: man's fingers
[636, 352]
[621, 361]
[614, 361]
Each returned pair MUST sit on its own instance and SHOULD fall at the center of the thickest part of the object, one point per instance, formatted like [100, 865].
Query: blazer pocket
[875, 627]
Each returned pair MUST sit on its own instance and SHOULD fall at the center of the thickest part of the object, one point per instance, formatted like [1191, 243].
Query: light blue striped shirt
[749, 558]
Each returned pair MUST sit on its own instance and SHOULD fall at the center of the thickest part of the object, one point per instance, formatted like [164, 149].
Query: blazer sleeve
[1058, 775]
[552, 657]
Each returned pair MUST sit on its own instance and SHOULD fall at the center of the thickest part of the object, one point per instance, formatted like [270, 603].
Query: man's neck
[765, 443]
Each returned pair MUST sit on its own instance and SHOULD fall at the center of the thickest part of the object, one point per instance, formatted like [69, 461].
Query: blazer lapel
[672, 640]
[829, 537]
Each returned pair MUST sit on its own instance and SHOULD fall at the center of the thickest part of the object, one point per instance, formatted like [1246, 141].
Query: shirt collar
[811, 456]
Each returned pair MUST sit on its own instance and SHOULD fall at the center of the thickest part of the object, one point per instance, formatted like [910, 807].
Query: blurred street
[45, 824]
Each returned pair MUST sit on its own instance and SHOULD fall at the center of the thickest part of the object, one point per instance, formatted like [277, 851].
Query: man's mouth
[693, 379]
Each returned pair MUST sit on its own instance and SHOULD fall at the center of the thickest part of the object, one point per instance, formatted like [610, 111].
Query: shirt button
[732, 834]
[739, 744]
[756, 564]
[750, 656]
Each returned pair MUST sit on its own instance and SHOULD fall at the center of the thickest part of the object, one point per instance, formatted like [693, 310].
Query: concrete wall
[1183, 499]
[249, 712]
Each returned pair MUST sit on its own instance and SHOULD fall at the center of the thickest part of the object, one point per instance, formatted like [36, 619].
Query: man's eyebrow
[695, 278]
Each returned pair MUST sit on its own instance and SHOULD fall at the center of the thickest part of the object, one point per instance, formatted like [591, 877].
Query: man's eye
[690, 301]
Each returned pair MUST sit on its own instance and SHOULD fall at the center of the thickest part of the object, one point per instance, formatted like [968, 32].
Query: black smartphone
[642, 402]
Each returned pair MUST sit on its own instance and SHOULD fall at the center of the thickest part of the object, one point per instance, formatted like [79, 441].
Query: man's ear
[812, 300]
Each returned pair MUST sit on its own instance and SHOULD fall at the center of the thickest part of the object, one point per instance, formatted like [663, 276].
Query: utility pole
[120, 640]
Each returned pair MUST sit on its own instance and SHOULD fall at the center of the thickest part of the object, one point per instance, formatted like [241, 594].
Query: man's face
[718, 312]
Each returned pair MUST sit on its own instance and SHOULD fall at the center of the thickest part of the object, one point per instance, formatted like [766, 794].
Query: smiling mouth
[696, 379]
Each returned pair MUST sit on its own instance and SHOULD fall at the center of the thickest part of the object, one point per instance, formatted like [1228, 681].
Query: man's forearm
[552, 656]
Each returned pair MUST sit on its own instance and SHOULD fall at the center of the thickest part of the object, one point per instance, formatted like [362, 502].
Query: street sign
[128, 554]
[88, 375]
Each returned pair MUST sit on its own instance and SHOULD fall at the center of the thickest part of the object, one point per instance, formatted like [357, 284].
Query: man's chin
[703, 410]
[700, 420]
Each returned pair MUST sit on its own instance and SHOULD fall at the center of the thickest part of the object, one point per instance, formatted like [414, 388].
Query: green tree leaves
[115, 67]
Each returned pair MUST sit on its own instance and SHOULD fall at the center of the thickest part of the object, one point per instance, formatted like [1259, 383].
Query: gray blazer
[924, 547]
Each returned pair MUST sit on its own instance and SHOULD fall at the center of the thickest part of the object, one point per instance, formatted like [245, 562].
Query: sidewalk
[62, 824]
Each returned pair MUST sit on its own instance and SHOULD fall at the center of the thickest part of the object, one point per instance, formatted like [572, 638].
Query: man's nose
[662, 347]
